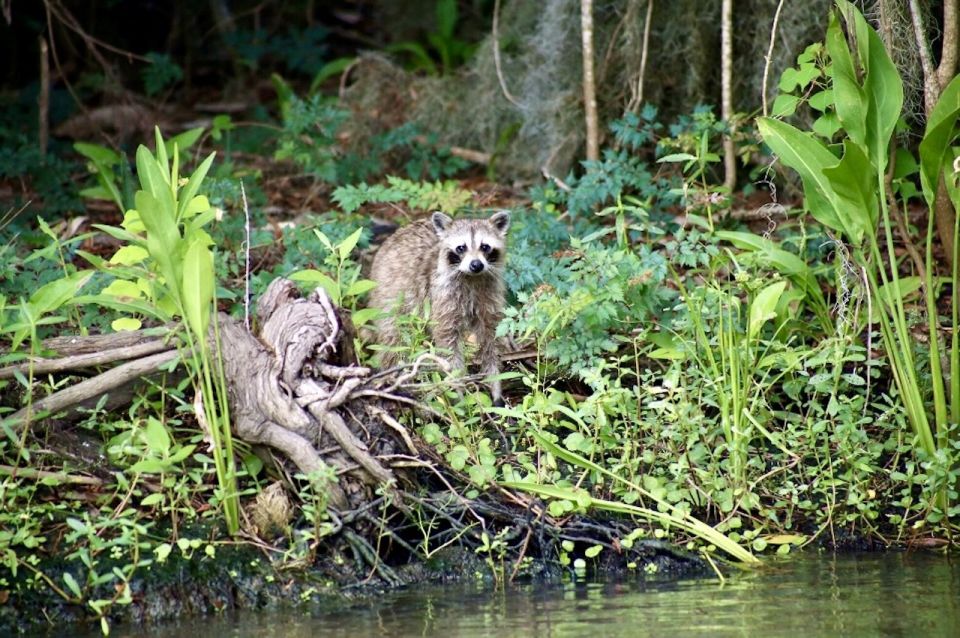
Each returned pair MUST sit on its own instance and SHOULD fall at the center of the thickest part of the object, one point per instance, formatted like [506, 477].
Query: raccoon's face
[472, 246]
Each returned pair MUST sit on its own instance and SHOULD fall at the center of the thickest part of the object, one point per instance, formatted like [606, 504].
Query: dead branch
[94, 387]
[41, 365]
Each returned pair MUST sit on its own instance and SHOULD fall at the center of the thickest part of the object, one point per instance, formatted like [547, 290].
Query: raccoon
[456, 265]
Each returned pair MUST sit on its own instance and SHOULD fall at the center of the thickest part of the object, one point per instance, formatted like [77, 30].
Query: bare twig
[496, 55]
[397, 427]
[637, 98]
[43, 100]
[769, 57]
[931, 84]
[60, 477]
[246, 257]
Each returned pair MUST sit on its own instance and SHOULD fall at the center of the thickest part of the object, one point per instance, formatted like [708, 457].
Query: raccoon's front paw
[499, 403]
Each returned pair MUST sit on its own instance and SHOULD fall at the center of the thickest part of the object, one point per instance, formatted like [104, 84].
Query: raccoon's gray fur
[458, 266]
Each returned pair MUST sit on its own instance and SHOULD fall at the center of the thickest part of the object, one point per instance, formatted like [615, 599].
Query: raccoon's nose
[476, 266]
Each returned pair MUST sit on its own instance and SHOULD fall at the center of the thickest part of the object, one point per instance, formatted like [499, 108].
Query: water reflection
[893, 594]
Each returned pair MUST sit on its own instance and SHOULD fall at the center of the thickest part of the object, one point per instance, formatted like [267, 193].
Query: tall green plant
[165, 271]
[847, 195]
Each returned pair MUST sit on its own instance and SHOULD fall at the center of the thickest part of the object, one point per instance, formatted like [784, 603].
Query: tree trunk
[589, 88]
[934, 81]
[726, 98]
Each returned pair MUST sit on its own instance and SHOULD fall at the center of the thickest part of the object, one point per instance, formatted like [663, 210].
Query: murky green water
[892, 594]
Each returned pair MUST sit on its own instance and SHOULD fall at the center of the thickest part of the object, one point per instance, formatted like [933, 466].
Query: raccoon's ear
[441, 222]
[501, 221]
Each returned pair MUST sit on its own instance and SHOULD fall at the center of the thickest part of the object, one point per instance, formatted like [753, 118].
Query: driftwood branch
[94, 387]
[40, 365]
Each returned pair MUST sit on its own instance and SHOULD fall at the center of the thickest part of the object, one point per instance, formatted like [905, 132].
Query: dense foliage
[738, 383]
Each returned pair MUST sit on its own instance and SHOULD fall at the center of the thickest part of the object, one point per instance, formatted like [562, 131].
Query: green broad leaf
[163, 237]
[447, 14]
[77, 525]
[676, 158]
[328, 70]
[198, 282]
[806, 73]
[97, 153]
[149, 466]
[156, 437]
[593, 551]
[853, 181]
[123, 289]
[189, 192]
[96, 192]
[359, 287]
[364, 316]
[162, 163]
[902, 289]
[481, 474]
[183, 141]
[347, 245]
[323, 239]
[96, 261]
[123, 234]
[906, 163]
[52, 295]
[827, 125]
[788, 80]
[72, 585]
[937, 139]
[809, 157]
[574, 441]
[881, 91]
[458, 457]
[821, 100]
[152, 499]
[324, 281]
[849, 98]
[764, 307]
[285, 94]
[197, 223]
[130, 255]
[181, 454]
[120, 305]
[785, 105]
[195, 206]
[125, 324]
[576, 495]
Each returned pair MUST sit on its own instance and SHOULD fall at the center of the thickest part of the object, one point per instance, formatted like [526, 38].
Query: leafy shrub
[310, 137]
[596, 293]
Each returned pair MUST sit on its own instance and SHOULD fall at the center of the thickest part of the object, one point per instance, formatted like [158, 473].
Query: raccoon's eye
[484, 248]
[462, 248]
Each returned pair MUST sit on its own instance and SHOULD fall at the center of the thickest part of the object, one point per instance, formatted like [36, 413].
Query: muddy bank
[242, 577]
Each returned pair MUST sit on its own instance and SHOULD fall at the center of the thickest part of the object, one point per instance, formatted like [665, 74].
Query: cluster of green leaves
[50, 175]
[445, 196]
[301, 51]
[847, 193]
[310, 138]
[597, 295]
[442, 43]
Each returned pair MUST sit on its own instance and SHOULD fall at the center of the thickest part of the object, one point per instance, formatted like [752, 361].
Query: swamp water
[881, 594]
